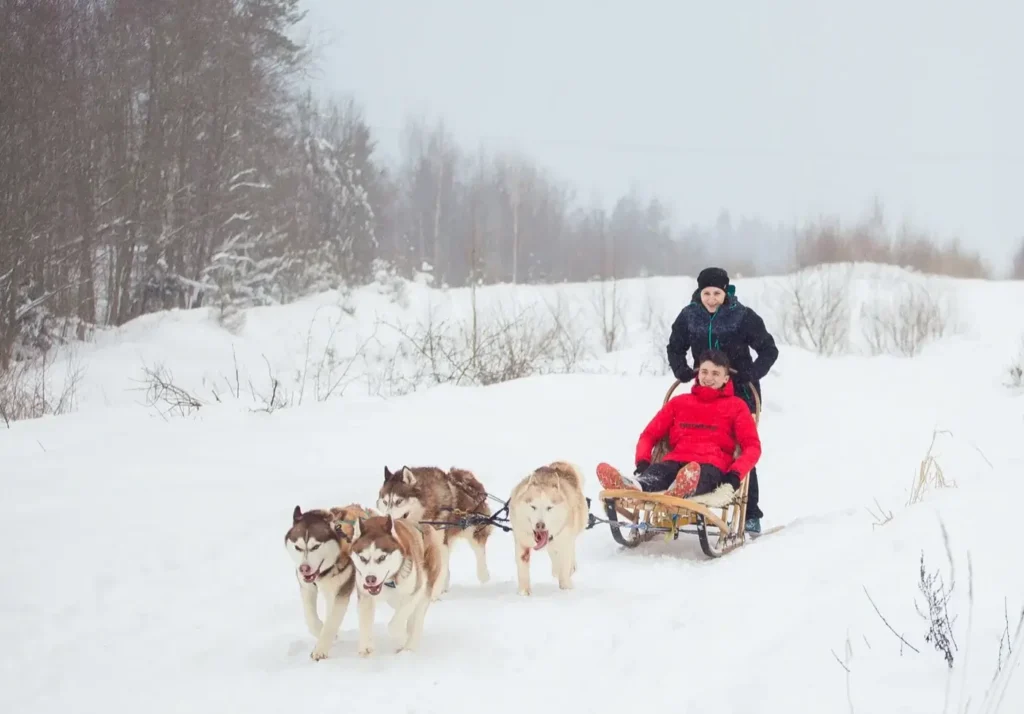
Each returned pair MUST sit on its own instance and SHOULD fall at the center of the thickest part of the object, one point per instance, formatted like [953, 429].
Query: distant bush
[27, 389]
[902, 320]
[812, 309]
[487, 347]
[1015, 372]
[868, 241]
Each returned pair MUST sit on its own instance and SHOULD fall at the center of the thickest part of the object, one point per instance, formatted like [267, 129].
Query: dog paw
[365, 651]
[483, 576]
[565, 584]
[526, 592]
[318, 654]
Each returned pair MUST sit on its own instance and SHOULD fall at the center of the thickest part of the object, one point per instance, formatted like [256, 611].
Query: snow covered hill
[146, 570]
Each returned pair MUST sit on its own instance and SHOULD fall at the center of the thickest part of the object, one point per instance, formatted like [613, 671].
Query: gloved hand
[733, 479]
[740, 377]
[641, 466]
[685, 374]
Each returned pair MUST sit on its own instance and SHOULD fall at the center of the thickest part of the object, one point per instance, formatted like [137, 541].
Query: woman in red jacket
[703, 429]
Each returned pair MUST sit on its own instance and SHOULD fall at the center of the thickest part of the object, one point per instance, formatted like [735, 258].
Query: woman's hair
[716, 357]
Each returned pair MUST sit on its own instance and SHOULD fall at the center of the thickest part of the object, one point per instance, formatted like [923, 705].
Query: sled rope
[473, 519]
[468, 519]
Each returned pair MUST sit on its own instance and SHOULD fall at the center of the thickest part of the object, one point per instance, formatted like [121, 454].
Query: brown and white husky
[406, 565]
[319, 543]
[427, 493]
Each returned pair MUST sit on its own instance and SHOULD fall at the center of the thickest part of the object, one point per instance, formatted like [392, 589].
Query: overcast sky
[783, 109]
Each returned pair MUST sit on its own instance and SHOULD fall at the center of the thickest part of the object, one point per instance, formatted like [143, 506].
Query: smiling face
[376, 553]
[312, 544]
[712, 298]
[712, 375]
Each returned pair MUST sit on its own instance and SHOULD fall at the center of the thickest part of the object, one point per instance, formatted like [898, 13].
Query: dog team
[391, 553]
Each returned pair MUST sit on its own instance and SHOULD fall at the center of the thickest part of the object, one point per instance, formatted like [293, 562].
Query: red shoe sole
[686, 481]
[609, 477]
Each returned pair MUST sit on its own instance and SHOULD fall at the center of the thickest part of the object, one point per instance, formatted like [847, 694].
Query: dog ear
[296, 515]
[357, 528]
[387, 474]
[391, 526]
[408, 476]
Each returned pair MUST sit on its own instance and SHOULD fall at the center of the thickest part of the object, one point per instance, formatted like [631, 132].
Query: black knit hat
[713, 278]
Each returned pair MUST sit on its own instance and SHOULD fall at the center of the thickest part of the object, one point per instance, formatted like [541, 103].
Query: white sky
[783, 109]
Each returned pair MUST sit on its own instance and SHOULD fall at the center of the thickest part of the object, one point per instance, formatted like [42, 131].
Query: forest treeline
[167, 153]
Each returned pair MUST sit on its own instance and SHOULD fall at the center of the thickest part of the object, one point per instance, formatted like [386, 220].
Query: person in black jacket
[716, 320]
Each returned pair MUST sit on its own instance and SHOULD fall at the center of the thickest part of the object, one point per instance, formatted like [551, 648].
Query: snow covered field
[146, 570]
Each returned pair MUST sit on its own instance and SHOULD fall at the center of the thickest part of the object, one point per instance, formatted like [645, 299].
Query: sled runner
[637, 517]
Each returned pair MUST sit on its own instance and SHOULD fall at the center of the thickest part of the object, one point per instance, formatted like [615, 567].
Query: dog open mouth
[541, 539]
[373, 589]
[311, 576]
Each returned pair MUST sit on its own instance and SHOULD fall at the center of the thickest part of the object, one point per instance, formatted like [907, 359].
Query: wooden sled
[646, 515]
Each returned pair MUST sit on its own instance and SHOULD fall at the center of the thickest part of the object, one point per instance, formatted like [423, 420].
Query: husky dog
[405, 562]
[548, 510]
[426, 493]
[319, 544]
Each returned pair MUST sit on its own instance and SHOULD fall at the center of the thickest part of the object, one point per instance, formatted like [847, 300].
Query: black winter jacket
[734, 329]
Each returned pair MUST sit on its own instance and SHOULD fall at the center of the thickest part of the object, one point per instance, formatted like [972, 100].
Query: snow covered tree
[331, 217]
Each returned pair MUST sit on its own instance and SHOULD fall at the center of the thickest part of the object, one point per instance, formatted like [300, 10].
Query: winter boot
[686, 481]
[753, 525]
[612, 480]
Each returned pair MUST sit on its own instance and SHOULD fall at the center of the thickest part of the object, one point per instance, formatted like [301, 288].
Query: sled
[643, 516]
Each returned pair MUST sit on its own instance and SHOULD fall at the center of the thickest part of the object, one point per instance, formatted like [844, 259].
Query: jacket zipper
[710, 324]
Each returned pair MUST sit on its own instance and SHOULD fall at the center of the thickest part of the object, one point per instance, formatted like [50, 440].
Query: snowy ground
[146, 569]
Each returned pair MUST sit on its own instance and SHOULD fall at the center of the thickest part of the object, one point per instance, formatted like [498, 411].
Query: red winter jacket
[705, 426]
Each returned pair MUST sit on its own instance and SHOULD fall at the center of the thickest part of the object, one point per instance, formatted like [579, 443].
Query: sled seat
[719, 530]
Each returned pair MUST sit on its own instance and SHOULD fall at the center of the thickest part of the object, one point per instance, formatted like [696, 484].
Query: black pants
[753, 492]
[660, 476]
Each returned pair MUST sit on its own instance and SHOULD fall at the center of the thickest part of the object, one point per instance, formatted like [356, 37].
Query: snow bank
[394, 337]
[145, 565]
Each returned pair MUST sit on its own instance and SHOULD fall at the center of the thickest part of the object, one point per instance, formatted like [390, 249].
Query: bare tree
[607, 300]
[513, 176]
[1017, 272]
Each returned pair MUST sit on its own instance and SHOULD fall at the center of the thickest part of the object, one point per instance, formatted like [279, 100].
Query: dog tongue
[541, 537]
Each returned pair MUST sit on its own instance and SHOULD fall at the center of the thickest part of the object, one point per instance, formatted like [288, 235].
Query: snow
[146, 569]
